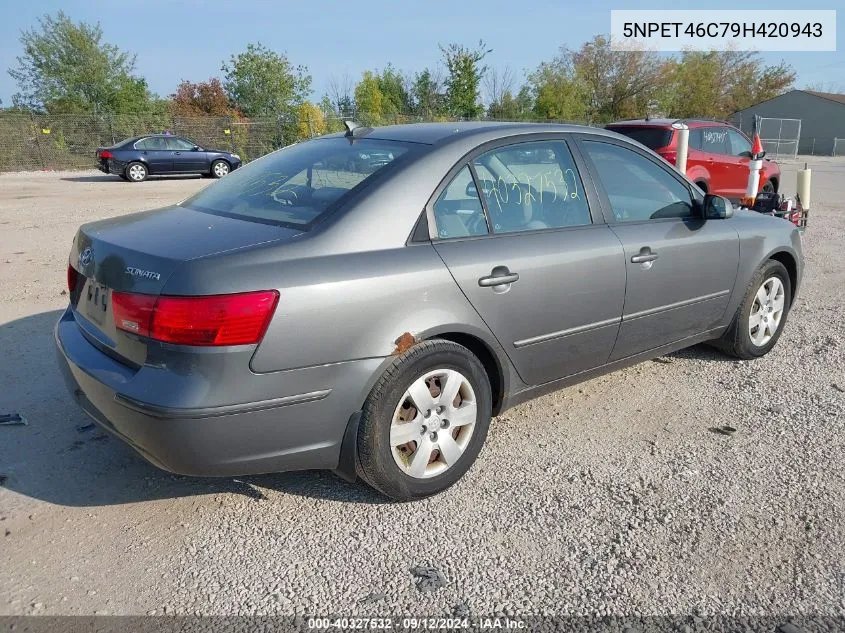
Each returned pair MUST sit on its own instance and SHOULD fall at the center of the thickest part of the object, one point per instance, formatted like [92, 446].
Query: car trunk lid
[137, 254]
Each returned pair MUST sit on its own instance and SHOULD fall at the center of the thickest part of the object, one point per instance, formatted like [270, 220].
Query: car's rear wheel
[760, 319]
[219, 168]
[425, 421]
[769, 187]
[701, 185]
[136, 172]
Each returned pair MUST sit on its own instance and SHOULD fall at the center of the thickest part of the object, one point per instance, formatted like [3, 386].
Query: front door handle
[499, 276]
[645, 255]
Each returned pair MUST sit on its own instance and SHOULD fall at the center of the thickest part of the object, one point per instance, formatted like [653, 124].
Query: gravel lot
[611, 497]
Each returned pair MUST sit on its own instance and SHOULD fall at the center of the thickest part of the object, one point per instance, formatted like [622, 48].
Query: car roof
[692, 123]
[436, 133]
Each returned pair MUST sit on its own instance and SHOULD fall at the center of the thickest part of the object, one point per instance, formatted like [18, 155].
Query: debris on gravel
[428, 578]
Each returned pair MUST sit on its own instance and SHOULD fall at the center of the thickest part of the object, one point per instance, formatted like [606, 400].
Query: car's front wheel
[219, 168]
[760, 319]
[425, 421]
[136, 172]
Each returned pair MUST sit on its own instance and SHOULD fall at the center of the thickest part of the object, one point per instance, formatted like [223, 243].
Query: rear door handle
[499, 276]
[645, 255]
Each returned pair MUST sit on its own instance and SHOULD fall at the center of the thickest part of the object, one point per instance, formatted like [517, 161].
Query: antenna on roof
[354, 129]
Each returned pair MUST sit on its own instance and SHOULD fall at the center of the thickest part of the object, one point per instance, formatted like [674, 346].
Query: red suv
[718, 153]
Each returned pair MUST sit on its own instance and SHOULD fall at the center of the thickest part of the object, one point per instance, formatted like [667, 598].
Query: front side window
[297, 185]
[638, 188]
[179, 144]
[739, 144]
[458, 211]
[532, 186]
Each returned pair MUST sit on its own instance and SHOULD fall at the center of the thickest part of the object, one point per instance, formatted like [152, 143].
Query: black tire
[736, 341]
[701, 185]
[136, 168]
[769, 187]
[375, 455]
[213, 173]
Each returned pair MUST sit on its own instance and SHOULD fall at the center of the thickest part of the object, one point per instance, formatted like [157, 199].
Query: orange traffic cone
[754, 167]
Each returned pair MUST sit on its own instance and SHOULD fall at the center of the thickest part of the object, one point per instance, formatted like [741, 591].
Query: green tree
[67, 67]
[512, 108]
[558, 91]
[464, 80]
[429, 100]
[716, 84]
[369, 99]
[619, 83]
[261, 82]
[394, 89]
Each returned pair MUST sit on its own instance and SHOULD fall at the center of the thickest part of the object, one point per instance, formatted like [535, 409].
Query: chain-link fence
[34, 141]
[780, 137]
[70, 141]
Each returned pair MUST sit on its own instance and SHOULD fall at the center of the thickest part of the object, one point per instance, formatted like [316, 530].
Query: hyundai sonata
[319, 309]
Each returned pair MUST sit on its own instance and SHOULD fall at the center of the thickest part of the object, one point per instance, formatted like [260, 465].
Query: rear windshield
[651, 137]
[297, 185]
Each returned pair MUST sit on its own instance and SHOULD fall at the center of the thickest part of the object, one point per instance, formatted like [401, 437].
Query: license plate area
[96, 301]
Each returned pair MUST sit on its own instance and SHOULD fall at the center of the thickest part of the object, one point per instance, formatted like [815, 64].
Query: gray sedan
[367, 301]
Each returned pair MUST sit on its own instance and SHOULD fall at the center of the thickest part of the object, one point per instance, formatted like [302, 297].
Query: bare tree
[497, 84]
[341, 91]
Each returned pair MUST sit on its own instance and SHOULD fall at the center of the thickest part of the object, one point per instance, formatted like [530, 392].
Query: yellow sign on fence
[45, 130]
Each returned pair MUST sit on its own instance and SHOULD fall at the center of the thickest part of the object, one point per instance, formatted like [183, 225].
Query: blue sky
[190, 38]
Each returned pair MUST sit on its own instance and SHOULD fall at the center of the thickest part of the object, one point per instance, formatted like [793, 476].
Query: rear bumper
[111, 166]
[298, 431]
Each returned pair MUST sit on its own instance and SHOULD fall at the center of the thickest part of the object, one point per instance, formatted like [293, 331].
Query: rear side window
[651, 137]
[695, 138]
[639, 189]
[715, 140]
[152, 143]
[458, 211]
[297, 185]
[532, 186]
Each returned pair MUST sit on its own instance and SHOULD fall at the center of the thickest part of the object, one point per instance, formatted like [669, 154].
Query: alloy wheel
[137, 172]
[221, 169]
[766, 311]
[433, 423]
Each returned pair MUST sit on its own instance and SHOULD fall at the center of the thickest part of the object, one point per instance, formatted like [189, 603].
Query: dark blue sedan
[161, 155]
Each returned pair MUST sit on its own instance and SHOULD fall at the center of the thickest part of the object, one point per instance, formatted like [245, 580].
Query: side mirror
[717, 207]
[197, 148]
[744, 154]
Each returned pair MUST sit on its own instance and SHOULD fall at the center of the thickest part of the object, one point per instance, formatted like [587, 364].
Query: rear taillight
[237, 319]
[71, 278]
[669, 155]
[133, 312]
[104, 153]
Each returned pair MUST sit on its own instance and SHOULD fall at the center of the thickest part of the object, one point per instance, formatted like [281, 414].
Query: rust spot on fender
[404, 343]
